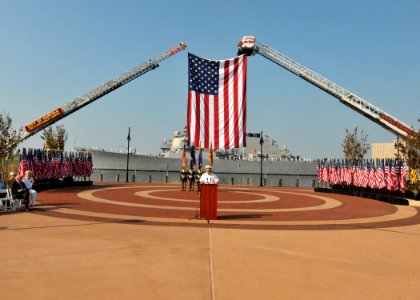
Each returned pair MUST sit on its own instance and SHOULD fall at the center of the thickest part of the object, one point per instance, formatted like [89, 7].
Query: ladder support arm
[93, 95]
[346, 97]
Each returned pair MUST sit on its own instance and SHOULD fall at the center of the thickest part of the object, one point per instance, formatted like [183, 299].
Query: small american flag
[380, 176]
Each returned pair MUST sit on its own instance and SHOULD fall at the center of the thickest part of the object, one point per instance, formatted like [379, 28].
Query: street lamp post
[128, 153]
[261, 143]
[397, 145]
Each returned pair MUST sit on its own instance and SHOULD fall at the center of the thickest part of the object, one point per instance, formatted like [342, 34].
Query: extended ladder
[392, 124]
[76, 104]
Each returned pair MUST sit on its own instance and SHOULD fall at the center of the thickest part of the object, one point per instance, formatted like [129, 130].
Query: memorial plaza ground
[145, 241]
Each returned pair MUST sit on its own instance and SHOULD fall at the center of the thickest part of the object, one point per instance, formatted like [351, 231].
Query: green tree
[9, 139]
[54, 140]
[355, 147]
[409, 150]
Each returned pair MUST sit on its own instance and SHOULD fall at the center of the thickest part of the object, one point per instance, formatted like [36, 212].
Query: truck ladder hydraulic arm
[248, 46]
[76, 104]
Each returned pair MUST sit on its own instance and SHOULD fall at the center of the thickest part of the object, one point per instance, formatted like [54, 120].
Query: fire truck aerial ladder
[95, 94]
[248, 46]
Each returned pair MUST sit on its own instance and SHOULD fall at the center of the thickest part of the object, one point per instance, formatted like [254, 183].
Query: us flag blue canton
[203, 75]
[216, 116]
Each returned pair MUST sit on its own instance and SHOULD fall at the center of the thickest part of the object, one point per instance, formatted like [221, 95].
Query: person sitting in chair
[19, 192]
[28, 180]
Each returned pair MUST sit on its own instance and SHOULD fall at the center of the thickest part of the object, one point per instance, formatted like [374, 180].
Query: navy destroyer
[239, 166]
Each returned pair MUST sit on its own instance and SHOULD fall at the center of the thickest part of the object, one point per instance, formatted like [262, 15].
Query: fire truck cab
[247, 46]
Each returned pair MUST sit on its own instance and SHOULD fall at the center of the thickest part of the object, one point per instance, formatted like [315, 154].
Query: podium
[208, 201]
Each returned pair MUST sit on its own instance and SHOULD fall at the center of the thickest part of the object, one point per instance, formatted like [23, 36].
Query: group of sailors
[192, 176]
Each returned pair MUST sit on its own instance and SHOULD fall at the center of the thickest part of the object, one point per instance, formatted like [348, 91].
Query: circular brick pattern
[238, 207]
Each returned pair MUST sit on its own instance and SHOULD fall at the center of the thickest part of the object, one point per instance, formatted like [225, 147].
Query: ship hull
[108, 166]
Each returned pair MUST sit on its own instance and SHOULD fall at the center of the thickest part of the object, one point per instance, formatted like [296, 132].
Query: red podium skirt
[208, 201]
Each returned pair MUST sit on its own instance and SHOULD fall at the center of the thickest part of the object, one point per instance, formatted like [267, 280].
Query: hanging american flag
[403, 177]
[24, 163]
[319, 170]
[325, 172]
[372, 176]
[216, 102]
[380, 176]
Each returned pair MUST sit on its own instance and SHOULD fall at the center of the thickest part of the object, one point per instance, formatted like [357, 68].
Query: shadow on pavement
[242, 216]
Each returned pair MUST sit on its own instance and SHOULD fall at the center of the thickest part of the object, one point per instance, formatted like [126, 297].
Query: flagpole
[261, 143]
[399, 162]
[128, 154]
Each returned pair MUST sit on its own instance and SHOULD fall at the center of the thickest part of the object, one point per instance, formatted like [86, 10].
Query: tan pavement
[53, 258]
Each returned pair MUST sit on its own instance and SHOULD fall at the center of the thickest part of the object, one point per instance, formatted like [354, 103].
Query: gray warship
[235, 166]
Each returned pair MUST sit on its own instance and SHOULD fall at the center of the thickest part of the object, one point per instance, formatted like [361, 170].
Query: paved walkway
[131, 241]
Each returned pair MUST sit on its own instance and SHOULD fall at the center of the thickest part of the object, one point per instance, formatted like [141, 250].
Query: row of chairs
[7, 202]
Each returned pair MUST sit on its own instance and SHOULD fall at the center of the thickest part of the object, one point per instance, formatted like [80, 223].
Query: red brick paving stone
[129, 196]
[415, 220]
[359, 210]
[237, 200]
[71, 201]
[352, 207]
[378, 225]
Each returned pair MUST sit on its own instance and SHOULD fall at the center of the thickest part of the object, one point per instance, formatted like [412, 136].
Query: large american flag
[216, 102]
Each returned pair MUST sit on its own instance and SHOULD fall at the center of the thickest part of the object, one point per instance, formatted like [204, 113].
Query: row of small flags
[193, 160]
[381, 174]
[55, 165]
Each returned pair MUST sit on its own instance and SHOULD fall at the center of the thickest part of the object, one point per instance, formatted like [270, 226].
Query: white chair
[4, 199]
[15, 204]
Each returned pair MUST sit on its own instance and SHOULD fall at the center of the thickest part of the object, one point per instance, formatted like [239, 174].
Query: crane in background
[248, 46]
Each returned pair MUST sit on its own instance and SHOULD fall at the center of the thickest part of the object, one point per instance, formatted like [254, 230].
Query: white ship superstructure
[172, 148]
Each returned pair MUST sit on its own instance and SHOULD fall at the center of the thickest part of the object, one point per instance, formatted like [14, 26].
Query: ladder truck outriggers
[111, 85]
[248, 46]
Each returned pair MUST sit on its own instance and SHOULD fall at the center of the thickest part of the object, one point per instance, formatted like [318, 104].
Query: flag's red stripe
[226, 102]
[197, 119]
[235, 105]
[189, 117]
[216, 122]
[206, 121]
[244, 100]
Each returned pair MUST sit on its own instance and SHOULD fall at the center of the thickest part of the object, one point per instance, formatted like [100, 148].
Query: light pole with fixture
[261, 143]
[128, 154]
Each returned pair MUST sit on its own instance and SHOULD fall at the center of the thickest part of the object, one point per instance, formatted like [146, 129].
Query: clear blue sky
[54, 51]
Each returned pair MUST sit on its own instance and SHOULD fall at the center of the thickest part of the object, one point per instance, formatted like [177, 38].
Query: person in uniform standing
[209, 177]
[191, 178]
[183, 176]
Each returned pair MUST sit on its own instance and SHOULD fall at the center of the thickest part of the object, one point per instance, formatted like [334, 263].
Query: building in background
[383, 150]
